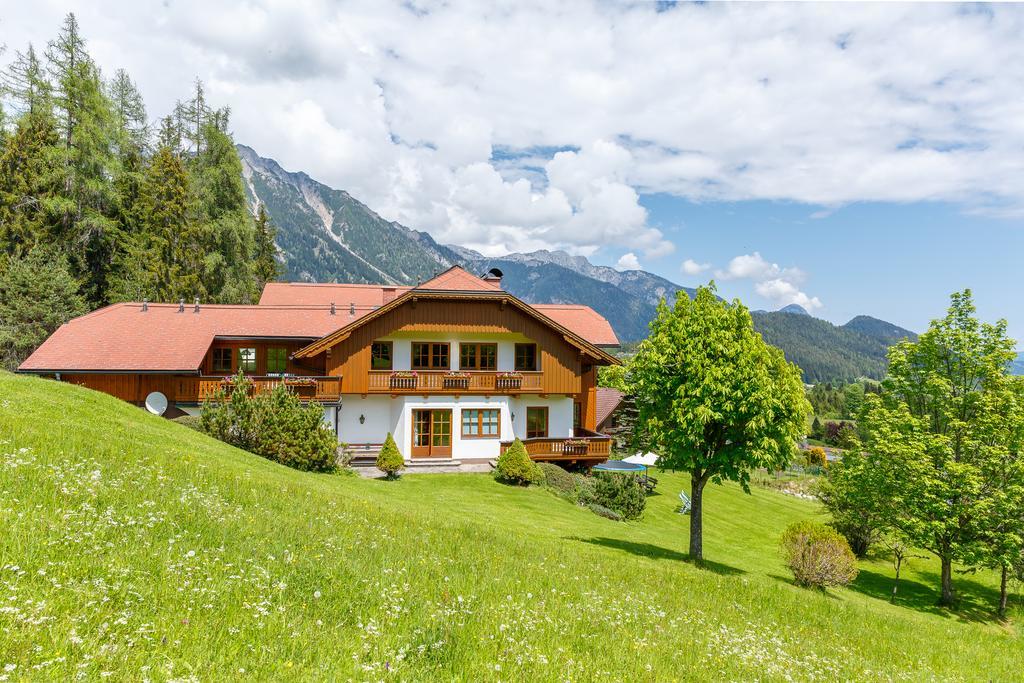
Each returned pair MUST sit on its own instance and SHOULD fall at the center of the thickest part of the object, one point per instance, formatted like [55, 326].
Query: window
[526, 357]
[485, 423]
[430, 356]
[576, 410]
[277, 360]
[536, 422]
[222, 360]
[247, 360]
[380, 355]
[478, 357]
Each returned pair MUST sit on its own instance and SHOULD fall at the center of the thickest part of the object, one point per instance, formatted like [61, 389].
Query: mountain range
[327, 235]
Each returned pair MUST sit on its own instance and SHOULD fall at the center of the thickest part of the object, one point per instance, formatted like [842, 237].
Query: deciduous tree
[714, 399]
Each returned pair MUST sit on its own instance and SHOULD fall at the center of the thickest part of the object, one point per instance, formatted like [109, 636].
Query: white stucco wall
[385, 414]
[378, 419]
[559, 414]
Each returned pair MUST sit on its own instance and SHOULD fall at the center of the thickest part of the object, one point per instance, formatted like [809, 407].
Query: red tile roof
[315, 294]
[123, 337]
[582, 320]
[459, 279]
[606, 403]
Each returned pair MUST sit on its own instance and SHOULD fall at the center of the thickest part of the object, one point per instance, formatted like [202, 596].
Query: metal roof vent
[197, 305]
[352, 308]
[145, 305]
[181, 305]
[333, 310]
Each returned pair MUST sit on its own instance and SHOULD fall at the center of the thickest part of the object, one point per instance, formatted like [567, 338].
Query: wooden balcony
[321, 389]
[445, 382]
[586, 447]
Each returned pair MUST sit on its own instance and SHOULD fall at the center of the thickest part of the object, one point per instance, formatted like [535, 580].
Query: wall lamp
[362, 419]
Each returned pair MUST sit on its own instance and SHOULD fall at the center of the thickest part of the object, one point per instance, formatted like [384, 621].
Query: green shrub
[276, 425]
[585, 488]
[621, 492]
[557, 479]
[514, 466]
[191, 421]
[602, 511]
[818, 555]
[390, 460]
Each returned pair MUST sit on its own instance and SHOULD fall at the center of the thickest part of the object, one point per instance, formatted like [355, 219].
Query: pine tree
[86, 124]
[265, 267]
[37, 295]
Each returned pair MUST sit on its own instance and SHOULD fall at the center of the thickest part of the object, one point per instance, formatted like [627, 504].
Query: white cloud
[691, 267]
[628, 261]
[504, 130]
[775, 283]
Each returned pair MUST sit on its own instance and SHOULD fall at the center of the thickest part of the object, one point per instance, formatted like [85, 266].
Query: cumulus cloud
[504, 129]
[691, 267]
[628, 261]
[775, 283]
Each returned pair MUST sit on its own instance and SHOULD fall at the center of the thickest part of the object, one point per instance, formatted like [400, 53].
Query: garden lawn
[141, 549]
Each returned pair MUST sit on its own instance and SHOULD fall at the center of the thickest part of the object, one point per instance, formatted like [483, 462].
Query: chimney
[197, 305]
[181, 305]
[333, 311]
[494, 275]
[145, 305]
[389, 294]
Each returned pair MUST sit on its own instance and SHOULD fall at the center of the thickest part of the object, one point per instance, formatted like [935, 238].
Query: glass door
[431, 433]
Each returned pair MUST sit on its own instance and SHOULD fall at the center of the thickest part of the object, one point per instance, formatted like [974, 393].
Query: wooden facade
[560, 362]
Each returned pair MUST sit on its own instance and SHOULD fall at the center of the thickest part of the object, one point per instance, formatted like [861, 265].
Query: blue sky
[851, 157]
[898, 262]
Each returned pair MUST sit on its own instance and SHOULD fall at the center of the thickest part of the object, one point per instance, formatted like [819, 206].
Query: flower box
[456, 380]
[509, 380]
[404, 379]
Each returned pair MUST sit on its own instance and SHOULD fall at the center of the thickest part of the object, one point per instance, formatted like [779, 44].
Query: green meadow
[136, 549]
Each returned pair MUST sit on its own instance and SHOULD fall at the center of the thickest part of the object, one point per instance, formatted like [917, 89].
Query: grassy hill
[136, 547]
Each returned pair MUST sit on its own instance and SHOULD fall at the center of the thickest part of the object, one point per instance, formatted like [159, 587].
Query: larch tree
[86, 126]
[713, 398]
[939, 430]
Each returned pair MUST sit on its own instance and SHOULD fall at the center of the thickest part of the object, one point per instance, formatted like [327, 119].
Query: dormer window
[247, 360]
[222, 360]
[277, 360]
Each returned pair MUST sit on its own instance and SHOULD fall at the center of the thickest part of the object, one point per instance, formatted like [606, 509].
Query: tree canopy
[714, 398]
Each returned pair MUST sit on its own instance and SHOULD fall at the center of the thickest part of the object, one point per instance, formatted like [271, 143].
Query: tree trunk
[1002, 594]
[947, 582]
[896, 583]
[696, 523]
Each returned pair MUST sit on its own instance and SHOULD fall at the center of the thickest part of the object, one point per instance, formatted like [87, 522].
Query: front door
[432, 433]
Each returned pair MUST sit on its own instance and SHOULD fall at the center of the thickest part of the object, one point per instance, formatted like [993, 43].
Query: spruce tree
[265, 267]
[30, 183]
[37, 295]
[217, 175]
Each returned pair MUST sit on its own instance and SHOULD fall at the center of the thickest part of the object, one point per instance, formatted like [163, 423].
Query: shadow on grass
[975, 601]
[656, 552]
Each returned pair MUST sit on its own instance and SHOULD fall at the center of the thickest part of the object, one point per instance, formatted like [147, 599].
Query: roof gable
[459, 279]
[412, 296]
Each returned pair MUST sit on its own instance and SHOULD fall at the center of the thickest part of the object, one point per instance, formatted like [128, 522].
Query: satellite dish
[156, 403]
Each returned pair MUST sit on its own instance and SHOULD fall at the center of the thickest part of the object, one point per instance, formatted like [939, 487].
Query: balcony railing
[444, 381]
[322, 389]
[584, 445]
